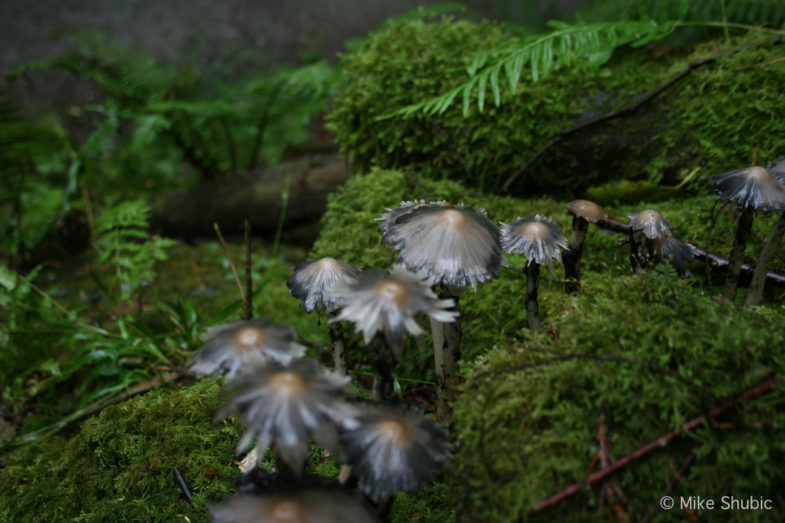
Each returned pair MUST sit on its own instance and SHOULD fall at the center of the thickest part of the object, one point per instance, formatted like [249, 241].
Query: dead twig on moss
[651, 446]
[630, 108]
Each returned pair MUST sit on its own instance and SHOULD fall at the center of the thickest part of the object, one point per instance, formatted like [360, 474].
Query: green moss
[713, 118]
[527, 418]
[119, 466]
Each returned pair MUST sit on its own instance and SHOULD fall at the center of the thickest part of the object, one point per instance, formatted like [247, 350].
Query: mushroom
[391, 450]
[308, 505]
[583, 213]
[753, 189]
[540, 240]
[284, 405]
[314, 283]
[675, 251]
[647, 227]
[233, 346]
[458, 247]
[376, 301]
[755, 293]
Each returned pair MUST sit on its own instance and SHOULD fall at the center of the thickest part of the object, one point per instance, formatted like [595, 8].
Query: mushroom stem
[755, 294]
[382, 371]
[339, 350]
[532, 305]
[743, 229]
[446, 354]
[572, 256]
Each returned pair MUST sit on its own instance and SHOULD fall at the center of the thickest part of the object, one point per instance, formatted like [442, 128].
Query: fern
[124, 243]
[565, 46]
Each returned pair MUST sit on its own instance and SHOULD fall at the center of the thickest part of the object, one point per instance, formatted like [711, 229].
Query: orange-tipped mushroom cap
[536, 237]
[310, 505]
[651, 223]
[285, 405]
[314, 282]
[232, 347]
[589, 211]
[393, 450]
[454, 245]
[376, 301]
[754, 187]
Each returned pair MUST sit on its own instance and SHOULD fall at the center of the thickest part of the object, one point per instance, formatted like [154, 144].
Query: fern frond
[539, 55]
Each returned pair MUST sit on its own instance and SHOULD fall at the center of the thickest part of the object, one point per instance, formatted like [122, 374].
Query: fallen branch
[658, 443]
[717, 262]
[628, 109]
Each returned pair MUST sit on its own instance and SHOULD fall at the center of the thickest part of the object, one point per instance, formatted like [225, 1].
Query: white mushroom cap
[314, 282]
[536, 237]
[753, 187]
[285, 405]
[237, 345]
[777, 169]
[651, 223]
[393, 213]
[310, 505]
[589, 211]
[678, 253]
[393, 451]
[376, 301]
[455, 245]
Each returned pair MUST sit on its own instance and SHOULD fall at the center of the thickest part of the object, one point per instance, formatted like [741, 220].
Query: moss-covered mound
[713, 118]
[119, 466]
[645, 353]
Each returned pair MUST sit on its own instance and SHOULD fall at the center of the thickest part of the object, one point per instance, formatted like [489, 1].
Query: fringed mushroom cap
[651, 223]
[678, 253]
[392, 214]
[777, 169]
[298, 506]
[376, 301]
[589, 211]
[536, 237]
[285, 405]
[393, 451]
[314, 282]
[455, 245]
[235, 346]
[753, 187]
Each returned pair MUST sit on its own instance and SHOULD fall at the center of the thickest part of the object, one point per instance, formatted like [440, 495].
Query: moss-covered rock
[713, 118]
[118, 467]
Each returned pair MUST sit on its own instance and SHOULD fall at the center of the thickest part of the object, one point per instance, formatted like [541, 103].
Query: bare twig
[229, 259]
[655, 507]
[248, 296]
[651, 446]
[627, 109]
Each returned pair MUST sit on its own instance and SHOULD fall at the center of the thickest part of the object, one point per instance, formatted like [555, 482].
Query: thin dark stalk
[743, 228]
[382, 371]
[572, 256]
[183, 485]
[248, 297]
[532, 303]
[339, 349]
[446, 355]
[755, 293]
[229, 259]
[651, 446]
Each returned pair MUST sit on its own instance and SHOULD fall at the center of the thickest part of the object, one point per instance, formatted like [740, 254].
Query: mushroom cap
[651, 223]
[309, 505]
[314, 282]
[285, 405]
[678, 253]
[589, 211]
[753, 187]
[392, 450]
[455, 245]
[536, 237]
[234, 346]
[376, 301]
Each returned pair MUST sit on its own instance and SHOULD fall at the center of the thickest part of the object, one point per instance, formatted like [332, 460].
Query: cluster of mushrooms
[287, 400]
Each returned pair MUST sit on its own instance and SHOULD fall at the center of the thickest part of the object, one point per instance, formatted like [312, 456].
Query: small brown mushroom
[647, 226]
[583, 213]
